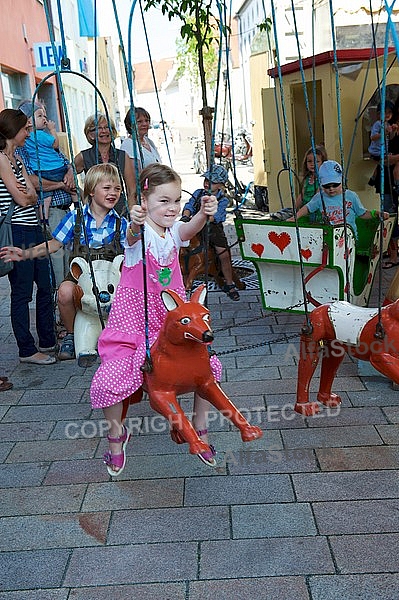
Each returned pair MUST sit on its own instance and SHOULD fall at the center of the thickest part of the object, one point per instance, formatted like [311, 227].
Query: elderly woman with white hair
[100, 134]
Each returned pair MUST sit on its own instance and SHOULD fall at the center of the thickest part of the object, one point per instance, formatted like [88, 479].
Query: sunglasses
[328, 186]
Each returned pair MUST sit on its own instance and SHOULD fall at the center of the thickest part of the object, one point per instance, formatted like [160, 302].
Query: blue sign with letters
[45, 58]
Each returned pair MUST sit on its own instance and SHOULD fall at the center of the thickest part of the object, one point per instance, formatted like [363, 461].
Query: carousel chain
[281, 340]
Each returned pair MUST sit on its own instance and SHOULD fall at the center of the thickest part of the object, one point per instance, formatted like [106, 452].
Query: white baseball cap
[330, 172]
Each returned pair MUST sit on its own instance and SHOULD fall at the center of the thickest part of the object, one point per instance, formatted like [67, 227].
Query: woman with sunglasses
[329, 200]
[100, 134]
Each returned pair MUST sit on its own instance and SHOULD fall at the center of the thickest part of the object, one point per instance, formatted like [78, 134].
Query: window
[15, 88]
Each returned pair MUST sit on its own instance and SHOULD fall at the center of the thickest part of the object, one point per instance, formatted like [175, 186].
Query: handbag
[6, 238]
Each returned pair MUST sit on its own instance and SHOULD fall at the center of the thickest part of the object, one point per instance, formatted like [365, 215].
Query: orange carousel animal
[180, 364]
[342, 327]
[193, 264]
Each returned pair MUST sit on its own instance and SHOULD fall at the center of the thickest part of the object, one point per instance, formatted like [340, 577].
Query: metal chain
[283, 339]
[258, 345]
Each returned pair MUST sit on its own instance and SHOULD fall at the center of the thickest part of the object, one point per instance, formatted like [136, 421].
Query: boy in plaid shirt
[100, 224]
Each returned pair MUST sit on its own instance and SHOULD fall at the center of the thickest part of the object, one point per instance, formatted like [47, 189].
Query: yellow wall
[259, 80]
[352, 87]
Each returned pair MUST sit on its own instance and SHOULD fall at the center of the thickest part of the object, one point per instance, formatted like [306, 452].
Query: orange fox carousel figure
[180, 364]
[342, 327]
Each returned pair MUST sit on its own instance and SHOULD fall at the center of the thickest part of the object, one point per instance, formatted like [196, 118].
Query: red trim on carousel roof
[351, 55]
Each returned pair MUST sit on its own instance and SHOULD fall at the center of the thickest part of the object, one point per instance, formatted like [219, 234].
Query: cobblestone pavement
[309, 512]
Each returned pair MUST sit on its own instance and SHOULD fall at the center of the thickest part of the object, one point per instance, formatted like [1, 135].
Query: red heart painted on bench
[306, 253]
[281, 240]
[258, 249]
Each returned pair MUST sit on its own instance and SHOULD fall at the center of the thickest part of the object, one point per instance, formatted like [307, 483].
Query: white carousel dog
[87, 326]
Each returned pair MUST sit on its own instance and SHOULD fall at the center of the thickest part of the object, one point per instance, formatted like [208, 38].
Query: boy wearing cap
[214, 183]
[330, 199]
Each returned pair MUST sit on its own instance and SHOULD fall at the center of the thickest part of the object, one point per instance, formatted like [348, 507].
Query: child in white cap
[329, 199]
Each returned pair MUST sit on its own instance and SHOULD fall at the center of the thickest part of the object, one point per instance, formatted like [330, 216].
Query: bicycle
[238, 193]
[198, 155]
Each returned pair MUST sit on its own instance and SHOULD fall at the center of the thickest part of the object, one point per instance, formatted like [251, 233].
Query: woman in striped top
[15, 185]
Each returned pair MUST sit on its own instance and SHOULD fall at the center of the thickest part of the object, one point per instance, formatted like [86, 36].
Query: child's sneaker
[67, 350]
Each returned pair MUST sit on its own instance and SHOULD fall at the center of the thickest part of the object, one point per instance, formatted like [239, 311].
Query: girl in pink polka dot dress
[121, 345]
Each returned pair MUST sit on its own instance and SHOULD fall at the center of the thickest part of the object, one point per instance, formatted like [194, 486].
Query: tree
[198, 30]
[187, 59]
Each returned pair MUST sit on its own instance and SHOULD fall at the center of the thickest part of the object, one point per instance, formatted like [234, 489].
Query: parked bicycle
[242, 146]
[199, 159]
[239, 193]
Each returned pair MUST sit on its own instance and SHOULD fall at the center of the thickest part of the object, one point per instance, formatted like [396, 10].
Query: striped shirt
[97, 236]
[22, 215]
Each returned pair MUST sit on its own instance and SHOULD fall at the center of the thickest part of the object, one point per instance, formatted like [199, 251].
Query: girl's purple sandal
[117, 460]
[207, 457]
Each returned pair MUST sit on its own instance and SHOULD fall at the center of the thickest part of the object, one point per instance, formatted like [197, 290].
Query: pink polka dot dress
[121, 345]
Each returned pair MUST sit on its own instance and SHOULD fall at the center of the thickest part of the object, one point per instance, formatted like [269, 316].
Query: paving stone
[389, 433]
[164, 591]
[253, 388]
[271, 460]
[46, 412]
[265, 557]
[261, 588]
[73, 429]
[170, 525]
[355, 587]
[34, 569]
[264, 360]
[384, 397]
[11, 397]
[25, 474]
[41, 500]
[36, 595]
[54, 531]
[368, 516]
[392, 414]
[15, 432]
[344, 416]
[138, 563]
[360, 485]
[76, 471]
[272, 520]
[238, 490]
[32, 397]
[52, 450]
[256, 373]
[5, 449]
[155, 493]
[35, 377]
[358, 459]
[366, 553]
[331, 437]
